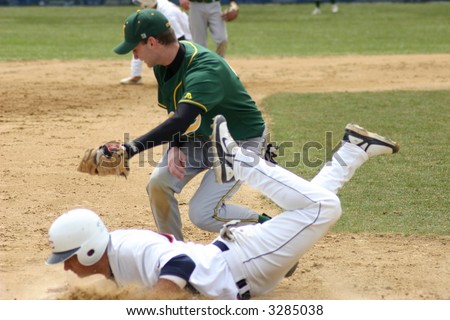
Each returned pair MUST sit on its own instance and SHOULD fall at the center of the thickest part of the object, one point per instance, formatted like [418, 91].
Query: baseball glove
[108, 159]
[231, 13]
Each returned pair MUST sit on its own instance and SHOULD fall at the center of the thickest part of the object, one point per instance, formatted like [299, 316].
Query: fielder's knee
[153, 183]
[202, 217]
[160, 180]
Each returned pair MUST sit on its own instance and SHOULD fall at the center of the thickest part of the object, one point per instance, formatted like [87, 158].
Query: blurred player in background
[180, 24]
[206, 15]
[334, 7]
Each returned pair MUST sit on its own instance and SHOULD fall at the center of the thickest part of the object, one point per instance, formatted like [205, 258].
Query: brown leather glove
[108, 159]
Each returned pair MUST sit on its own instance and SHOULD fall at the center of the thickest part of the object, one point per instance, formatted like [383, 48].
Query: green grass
[264, 30]
[60, 32]
[408, 192]
[358, 28]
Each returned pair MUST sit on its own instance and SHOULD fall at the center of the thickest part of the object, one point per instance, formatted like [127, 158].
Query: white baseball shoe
[316, 11]
[224, 149]
[132, 80]
[370, 142]
[334, 8]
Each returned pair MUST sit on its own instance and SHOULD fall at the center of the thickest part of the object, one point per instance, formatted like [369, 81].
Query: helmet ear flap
[92, 251]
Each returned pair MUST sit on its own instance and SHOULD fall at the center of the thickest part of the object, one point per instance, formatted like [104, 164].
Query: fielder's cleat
[316, 11]
[223, 149]
[334, 8]
[132, 80]
[370, 142]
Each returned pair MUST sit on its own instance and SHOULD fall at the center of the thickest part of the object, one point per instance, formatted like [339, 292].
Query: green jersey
[205, 80]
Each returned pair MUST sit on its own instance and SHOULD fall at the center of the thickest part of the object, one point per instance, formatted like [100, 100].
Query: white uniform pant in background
[268, 251]
[204, 16]
[135, 67]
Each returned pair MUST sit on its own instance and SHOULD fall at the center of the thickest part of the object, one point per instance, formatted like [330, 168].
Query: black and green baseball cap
[139, 26]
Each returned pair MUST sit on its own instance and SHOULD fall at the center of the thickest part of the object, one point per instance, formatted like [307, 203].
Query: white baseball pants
[266, 252]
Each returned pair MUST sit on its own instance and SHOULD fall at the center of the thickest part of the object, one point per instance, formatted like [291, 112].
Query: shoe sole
[363, 133]
[131, 82]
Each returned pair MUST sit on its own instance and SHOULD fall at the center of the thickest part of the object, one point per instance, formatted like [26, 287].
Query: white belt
[237, 270]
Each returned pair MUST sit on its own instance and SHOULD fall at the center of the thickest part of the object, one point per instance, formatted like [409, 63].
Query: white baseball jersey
[260, 255]
[143, 256]
[178, 19]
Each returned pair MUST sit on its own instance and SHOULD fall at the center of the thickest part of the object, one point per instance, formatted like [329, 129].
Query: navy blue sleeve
[181, 266]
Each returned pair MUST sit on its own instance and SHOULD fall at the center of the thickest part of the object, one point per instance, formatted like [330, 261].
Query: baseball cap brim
[57, 257]
[125, 47]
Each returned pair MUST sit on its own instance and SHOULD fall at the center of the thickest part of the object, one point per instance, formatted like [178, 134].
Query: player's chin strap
[233, 259]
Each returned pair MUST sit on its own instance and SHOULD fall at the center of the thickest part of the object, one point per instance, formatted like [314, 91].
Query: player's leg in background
[136, 67]
[135, 72]
[218, 28]
[198, 22]
[334, 7]
[316, 7]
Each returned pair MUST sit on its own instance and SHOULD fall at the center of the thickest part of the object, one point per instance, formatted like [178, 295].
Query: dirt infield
[52, 110]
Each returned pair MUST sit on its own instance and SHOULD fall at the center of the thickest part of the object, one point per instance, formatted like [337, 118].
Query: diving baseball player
[243, 262]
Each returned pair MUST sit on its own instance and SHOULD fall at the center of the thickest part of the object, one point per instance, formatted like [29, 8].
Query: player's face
[72, 264]
[146, 52]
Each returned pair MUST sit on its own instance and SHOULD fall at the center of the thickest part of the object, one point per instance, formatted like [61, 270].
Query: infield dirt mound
[53, 110]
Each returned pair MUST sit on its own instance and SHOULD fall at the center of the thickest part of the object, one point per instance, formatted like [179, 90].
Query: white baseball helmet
[80, 232]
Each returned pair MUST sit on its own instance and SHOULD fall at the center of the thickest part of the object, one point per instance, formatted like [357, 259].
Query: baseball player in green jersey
[179, 22]
[194, 85]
